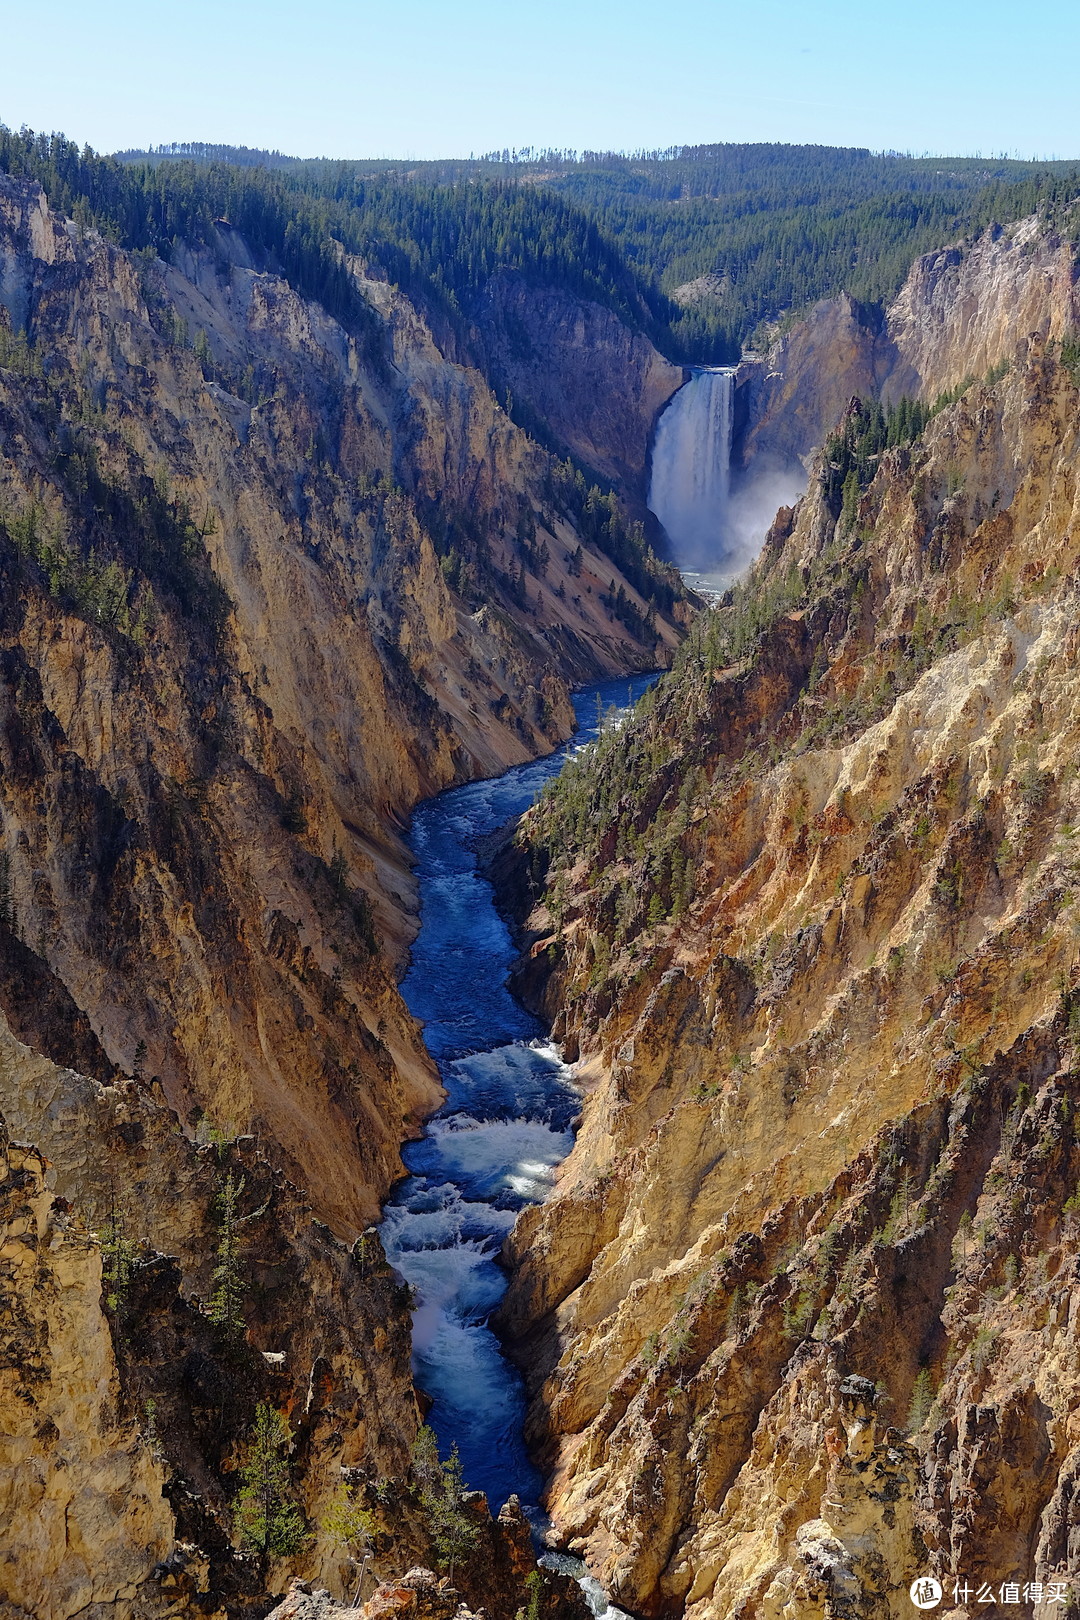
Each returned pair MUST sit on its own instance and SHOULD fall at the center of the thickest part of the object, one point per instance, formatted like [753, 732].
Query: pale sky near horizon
[351, 78]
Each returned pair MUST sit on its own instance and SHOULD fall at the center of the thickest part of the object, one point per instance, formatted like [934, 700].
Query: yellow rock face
[116, 1491]
[80, 1492]
[960, 311]
[199, 813]
[829, 1127]
[232, 659]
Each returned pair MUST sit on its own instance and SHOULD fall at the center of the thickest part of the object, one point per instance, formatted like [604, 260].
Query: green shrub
[1070, 355]
[984, 1347]
[346, 1524]
[118, 1256]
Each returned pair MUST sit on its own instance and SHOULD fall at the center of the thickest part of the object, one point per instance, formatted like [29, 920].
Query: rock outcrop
[808, 924]
[786, 401]
[420, 1595]
[130, 1393]
[133, 1403]
[80, 1493]
[961, 312]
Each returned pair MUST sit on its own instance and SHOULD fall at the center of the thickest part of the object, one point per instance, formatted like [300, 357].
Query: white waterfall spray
[691, 467]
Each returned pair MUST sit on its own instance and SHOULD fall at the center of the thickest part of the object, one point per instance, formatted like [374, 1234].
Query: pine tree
[454, 1532]
[849, 510]
[266, 1516]
[118, 1256]
[7, 899]
[226, 1307]
[352, 1528]
[922, 1399]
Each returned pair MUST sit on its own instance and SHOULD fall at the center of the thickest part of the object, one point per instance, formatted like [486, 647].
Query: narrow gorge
[494, 1146]
[537, 1065]
[269, 578]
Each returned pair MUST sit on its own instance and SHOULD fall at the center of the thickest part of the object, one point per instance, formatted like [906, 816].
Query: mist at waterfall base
[507, 1121]
[715, 523]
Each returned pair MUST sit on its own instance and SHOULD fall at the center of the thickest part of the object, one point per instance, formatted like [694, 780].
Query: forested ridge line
[440, 243]
[771, 227]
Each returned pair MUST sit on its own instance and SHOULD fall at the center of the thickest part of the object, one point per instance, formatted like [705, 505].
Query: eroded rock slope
[809, 922]
[265, 581]
[959, 312]
[232, 660]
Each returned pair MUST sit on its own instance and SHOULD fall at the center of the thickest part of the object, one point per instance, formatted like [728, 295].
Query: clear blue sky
[428, 78]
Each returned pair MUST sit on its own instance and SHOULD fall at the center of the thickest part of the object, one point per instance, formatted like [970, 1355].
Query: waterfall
[691, 457]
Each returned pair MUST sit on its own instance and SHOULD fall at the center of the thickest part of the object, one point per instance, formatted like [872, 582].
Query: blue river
[507, 1122]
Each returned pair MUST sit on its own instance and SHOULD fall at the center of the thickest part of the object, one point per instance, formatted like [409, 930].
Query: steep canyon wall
[961, 312]
[264, 582]
[274, 670]
[799, 1315]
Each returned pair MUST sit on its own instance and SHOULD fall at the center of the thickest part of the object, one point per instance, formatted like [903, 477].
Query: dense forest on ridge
[769, 227]
[701, 248]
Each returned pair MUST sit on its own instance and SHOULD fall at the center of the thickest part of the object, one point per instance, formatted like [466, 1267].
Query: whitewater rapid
[507, 1122]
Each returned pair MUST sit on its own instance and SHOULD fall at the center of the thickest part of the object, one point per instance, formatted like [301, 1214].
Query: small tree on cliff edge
[454, 1532]
[352, 1528]
[226, 1307]
[266, 1515]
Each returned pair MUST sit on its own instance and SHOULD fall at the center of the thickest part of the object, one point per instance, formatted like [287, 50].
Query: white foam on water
[447, 1263]
[595, 1596]
[444, 1234]
[461, 1363]
[501, 1152]
[459, 1278]
[510, 1064]
[409, 1230]
[531, 1181]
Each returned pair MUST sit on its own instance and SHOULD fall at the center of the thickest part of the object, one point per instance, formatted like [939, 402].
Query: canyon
[797, 1320]
[264, 586]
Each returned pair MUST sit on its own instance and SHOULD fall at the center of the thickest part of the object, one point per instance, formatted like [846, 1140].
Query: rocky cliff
[264, 582]
[595, 386]
[82, 1499]
[127, 1411]
[227, 633]
[799, 1316]
[131, 1401]
[960, 313]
